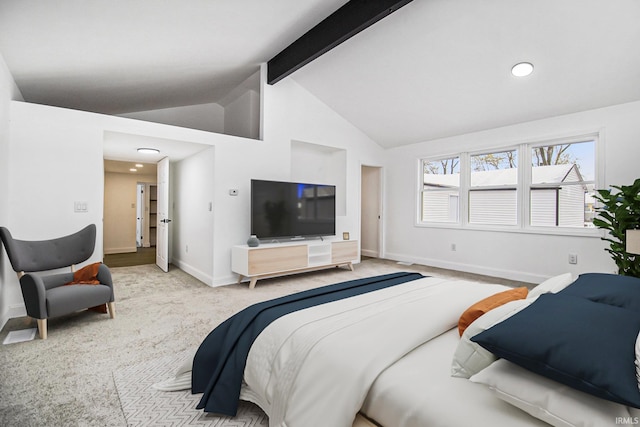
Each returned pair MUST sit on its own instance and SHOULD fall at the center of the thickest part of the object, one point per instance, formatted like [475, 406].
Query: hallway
[140, 257]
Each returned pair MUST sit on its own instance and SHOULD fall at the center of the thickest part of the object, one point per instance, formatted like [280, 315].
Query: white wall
[208, 117]
[192, 187]
[318, 164]
[237, 114]
[65, 148]
[242, 108]
[520, 256]
[241, 116]
[291, 113]
[51, 166]
[8, 91]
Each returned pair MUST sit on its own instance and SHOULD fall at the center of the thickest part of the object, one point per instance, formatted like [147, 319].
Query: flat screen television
[292, 209]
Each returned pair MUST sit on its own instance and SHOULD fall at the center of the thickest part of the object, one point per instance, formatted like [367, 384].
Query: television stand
[280, 259]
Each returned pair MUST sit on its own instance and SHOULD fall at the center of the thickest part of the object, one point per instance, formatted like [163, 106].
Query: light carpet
[70, 378]
[144, 406]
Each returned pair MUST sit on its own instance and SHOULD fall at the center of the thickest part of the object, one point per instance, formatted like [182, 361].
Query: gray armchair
[47, 296]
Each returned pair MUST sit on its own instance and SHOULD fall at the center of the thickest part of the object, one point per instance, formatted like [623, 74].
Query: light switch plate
[81, 207]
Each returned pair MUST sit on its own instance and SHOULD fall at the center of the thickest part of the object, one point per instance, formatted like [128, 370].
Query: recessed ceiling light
[522, 69]
[133, 170]
[148, 150]
[139, 165]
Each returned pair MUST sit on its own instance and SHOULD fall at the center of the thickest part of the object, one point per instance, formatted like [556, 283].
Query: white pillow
[469, 357]
[548, 400]
[552, 285]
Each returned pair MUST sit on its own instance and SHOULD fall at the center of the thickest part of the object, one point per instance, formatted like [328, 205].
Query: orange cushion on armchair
[87, 275]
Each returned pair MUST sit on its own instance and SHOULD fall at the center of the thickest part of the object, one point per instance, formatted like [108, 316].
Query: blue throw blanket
[218, 366]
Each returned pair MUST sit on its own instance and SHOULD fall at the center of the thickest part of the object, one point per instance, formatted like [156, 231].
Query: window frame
[597, 182]
[523, 187]
[470, 188]
[421, 191]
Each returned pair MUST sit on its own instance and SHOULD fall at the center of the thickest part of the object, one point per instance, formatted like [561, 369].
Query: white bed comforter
[315, 366]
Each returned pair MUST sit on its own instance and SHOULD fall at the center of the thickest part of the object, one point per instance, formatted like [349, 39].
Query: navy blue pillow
[586, 345]
[612, 289]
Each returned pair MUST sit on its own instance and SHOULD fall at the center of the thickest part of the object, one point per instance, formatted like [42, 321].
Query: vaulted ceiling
[434, 68]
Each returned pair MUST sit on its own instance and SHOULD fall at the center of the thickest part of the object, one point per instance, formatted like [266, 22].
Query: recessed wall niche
[321, 164]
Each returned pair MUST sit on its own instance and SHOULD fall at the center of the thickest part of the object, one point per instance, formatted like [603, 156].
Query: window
[541, 186]
[439, 197]
[562, 185]
[493, 191]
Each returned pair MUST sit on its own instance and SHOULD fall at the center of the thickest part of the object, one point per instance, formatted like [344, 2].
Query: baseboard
[369, 253]
[198, 274]
[3, 320]
[125, 250]
[16, 310]
[226, 280]
[520, 276]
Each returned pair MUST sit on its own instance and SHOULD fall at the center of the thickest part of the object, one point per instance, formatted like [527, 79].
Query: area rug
[143, 405]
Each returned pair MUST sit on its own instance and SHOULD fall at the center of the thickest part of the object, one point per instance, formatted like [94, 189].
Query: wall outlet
[573, 258]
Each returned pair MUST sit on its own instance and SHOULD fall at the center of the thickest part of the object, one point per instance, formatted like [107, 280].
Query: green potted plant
[620, 211]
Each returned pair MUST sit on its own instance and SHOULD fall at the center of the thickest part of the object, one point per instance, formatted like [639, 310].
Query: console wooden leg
[42, 328]
[350, 265]
[252, 282]
[111, 306]
[240, 277]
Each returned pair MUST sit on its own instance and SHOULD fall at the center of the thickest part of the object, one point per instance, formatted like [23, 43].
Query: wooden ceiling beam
[353, 17]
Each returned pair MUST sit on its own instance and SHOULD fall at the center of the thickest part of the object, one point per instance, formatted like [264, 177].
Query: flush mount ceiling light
[148, 150]
[522, 69]
[133, 170]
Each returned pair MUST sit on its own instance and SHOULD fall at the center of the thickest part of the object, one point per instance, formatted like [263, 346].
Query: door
[371, 211]
[140, 220]
[162, 237]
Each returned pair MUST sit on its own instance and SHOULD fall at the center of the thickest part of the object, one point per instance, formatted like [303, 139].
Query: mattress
[418, 391]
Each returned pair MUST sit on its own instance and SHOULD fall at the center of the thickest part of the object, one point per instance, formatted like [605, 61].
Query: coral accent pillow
[87, 275]
[489, 303]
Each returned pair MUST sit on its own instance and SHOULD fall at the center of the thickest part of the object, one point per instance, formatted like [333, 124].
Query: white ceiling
[435, 68]
[438, 68]
[123, 146]
[116, 166]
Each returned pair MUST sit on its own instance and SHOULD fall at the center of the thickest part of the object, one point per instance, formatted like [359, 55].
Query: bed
[401, 355]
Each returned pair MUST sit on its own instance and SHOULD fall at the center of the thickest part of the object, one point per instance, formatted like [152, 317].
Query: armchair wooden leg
[42, 328]
[112, 309]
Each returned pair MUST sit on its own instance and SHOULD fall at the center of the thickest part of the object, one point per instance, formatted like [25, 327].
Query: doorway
[128, 213]
[146, 214]
[371, 211]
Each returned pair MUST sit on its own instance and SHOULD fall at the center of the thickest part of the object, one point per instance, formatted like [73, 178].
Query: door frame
[379, 190]
[163, 247]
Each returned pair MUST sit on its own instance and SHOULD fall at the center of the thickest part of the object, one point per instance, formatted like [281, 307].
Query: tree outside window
[562, 185]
